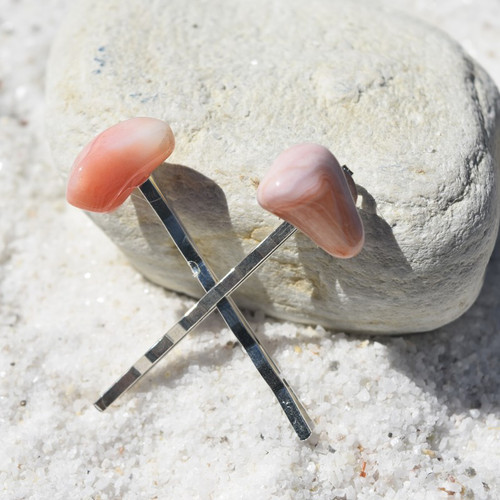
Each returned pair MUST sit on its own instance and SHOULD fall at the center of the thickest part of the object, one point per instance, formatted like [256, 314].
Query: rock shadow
[201, 206]
[380, 245]
[459, 361]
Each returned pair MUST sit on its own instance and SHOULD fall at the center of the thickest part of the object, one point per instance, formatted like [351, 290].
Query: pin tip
[100, 405]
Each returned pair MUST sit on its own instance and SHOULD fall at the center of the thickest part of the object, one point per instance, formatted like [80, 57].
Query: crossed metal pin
[216, 296]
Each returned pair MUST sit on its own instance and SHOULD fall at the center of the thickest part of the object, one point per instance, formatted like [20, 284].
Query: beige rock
[397, 101]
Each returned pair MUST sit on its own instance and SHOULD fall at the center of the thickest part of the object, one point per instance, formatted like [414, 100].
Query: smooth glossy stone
[307, 187]
[117, 161]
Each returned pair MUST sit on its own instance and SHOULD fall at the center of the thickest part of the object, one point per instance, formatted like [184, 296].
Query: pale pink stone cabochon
[307, 187]
[116, 161]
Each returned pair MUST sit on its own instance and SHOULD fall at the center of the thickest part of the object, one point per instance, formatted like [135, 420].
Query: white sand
[420, 413]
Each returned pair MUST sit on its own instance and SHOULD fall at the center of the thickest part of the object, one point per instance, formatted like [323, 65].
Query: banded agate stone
[307, 187]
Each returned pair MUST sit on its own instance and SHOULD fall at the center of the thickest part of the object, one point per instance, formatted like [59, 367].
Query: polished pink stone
[118, 160]
[307, 187]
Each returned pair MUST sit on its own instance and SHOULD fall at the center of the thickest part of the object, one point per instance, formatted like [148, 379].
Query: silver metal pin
[305, 176]
[233, 317]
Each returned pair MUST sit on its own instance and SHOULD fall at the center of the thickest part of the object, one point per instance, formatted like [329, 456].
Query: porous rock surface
[400, 103]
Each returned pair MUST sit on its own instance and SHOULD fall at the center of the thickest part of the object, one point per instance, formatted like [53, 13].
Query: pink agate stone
[118, 160]
[307, 187]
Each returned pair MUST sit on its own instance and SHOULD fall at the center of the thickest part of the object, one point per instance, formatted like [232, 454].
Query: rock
[397, 101]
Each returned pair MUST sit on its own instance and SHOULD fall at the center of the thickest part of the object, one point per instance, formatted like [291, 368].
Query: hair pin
[305, 186]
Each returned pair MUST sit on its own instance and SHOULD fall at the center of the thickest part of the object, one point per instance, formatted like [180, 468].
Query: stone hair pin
[305, 186]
